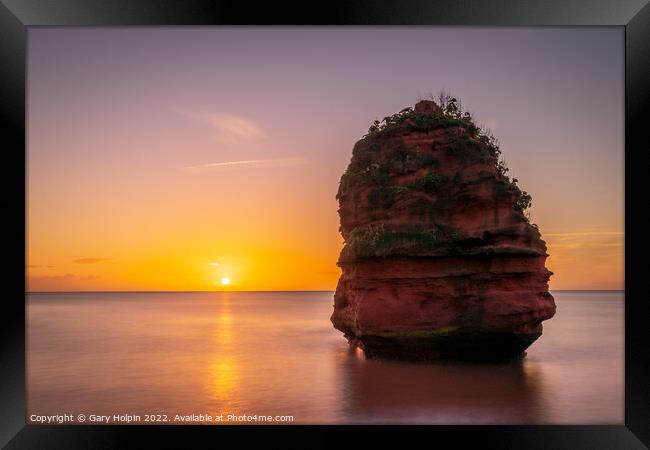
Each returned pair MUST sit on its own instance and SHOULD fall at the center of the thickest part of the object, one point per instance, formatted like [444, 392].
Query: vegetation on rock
[385, 196]
[430, 182]
[378, 241]
[379, 158]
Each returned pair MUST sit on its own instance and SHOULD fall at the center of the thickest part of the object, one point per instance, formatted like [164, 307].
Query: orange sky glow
[217, 169]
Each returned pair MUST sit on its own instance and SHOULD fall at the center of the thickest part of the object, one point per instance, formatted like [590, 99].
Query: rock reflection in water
[377, 391]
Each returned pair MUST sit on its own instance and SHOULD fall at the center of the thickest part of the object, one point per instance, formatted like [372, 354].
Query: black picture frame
[17, 15]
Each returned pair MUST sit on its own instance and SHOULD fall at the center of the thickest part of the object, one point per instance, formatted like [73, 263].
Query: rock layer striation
[439, 260]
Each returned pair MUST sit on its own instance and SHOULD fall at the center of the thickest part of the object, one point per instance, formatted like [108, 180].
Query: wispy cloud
[587, 245]
[278, 162]
[231, 129]
[90, 260]
[588, 239]
[39, 266]
[213, 264]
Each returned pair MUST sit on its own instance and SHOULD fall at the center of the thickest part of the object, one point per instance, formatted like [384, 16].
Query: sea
[231, 358]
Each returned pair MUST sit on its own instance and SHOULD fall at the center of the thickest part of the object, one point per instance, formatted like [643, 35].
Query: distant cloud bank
[90, 260]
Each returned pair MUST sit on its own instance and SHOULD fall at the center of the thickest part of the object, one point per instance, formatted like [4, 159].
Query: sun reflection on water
[223, 373]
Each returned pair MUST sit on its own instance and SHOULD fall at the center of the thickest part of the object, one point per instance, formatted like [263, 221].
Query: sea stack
[440, 260]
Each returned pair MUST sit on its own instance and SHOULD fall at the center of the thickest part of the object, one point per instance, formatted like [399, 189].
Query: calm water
[276, 353]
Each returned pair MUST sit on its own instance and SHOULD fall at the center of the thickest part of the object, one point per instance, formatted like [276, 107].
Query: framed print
[365, 217]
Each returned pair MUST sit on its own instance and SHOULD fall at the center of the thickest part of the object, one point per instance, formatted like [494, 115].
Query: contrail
[249, 162]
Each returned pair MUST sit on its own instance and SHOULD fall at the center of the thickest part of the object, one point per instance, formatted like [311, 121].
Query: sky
[208, 158]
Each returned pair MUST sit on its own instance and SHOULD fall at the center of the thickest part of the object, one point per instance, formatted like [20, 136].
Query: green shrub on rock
[378, 241]
[385, 196]
[430, 182]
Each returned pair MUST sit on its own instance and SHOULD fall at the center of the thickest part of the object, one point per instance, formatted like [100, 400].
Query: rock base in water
[477, 346]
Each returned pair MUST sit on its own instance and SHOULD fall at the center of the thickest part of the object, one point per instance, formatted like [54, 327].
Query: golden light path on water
[223, 373]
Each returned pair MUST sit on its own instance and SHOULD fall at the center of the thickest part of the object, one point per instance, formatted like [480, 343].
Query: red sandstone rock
[439, 257]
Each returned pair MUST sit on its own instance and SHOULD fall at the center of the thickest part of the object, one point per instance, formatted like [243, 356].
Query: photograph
[325, 225]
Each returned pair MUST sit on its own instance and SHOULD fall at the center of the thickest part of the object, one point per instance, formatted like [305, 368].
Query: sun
[225, 281]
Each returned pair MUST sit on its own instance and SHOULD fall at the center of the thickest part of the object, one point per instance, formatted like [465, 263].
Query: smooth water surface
[276, 353]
